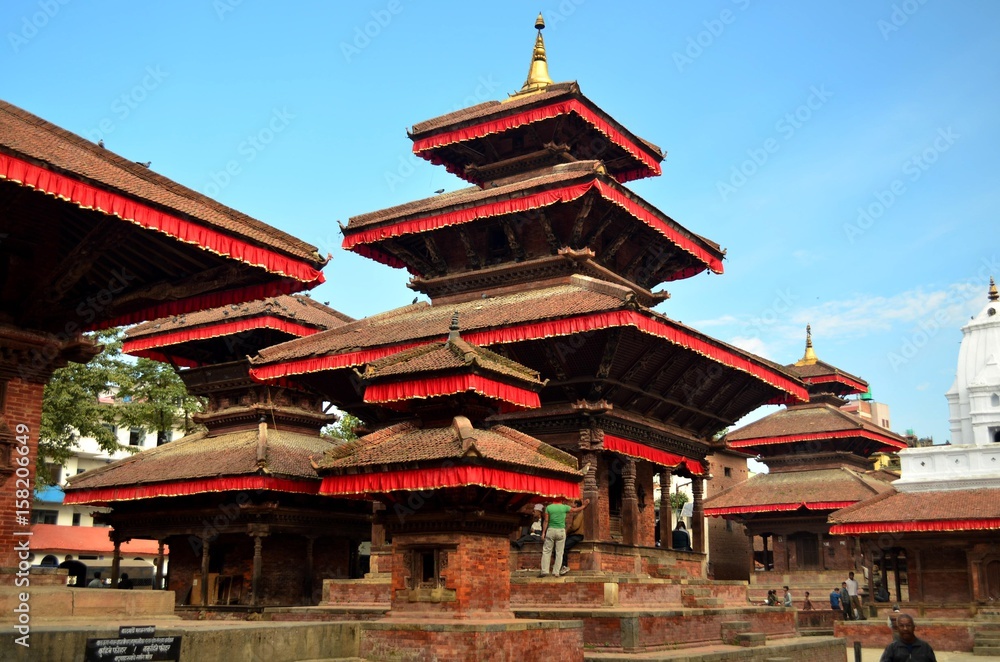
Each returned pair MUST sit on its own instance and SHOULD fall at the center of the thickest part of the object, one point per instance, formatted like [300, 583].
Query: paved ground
[873, 654]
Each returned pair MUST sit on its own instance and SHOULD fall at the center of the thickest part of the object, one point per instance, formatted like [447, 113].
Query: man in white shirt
[852, 591]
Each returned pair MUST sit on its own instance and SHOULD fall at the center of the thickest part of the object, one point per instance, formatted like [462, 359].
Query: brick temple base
[406, 640]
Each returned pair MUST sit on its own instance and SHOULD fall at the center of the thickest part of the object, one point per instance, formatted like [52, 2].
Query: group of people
[124, 582]
[558, 526]
[847, 600]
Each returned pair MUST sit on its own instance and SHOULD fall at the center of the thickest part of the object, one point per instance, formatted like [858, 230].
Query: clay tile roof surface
[894, 507]
[799, 487]
[53, 537]
[295, 308]
[480, 112]
[559, 174]
[821, 369]
[29, 137]
[448, 356]
[814, 418]
[408, 444]
[422, 321]
[200, 456]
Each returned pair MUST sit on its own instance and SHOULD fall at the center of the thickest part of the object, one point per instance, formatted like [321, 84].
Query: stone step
[986, 651]
[708, 603]
[697, 592]
[751, 639]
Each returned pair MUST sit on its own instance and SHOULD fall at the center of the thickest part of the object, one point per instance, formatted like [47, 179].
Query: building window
[136, 436]
[76, 519]
[162, 437]
[80, 471]
[728, 473]
[113, 429]
[44, 516]
[53, 472]
[995, 400]
[729, 522]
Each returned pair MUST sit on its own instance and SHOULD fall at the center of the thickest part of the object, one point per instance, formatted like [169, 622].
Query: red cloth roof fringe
[983, 524]
[774, 507]
[448, 385]
[354, 241]
[819, 436]
[216, 330]
[440, 477]
[654, 455]
[841, 379]
[331, 362]
[422, 146]
[101, 495]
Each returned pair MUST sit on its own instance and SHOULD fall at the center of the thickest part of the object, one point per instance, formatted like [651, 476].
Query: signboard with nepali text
[135, 643]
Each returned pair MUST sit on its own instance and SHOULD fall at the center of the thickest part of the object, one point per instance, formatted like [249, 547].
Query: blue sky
[844, 153]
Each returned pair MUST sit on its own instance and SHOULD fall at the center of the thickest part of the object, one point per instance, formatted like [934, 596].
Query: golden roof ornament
[809, 358]
[538, 74]
[994, 295]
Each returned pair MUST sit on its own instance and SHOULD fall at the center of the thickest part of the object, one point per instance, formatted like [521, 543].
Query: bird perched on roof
[100, 143]
[145, 164]
[439, 191]
[414, 300]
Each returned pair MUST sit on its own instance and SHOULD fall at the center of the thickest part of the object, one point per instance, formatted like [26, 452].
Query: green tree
[344, 428]
[678, 499]
[90, 400]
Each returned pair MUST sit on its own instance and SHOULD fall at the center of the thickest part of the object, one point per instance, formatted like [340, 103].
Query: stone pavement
[873, 654]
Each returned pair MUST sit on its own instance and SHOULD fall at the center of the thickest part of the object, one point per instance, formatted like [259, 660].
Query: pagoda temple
[818, 456]
[551, 262]
[238, 503]
[92, 240]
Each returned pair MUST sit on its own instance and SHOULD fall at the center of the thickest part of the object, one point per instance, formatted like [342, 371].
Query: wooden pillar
[869, 553]
[116, 562]
[159, 566]
[258, 565]
[753, 558]
[666, 512]
[630, 504]
[885, 572]
[592, 513]
[698, 515]
[822, 550]
[308, 584]
[204, 571]
[767, 564]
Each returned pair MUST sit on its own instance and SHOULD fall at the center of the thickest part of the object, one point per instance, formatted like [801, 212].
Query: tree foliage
[678, 499]
[344, 428]
[136, 393]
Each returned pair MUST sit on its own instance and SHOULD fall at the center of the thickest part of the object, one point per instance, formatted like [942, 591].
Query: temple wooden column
[159, 566]
[666, 512]
[308, 579]
[258, 533]
[116, 561]
[204, 571]
[630, 504]
[767, 564]
[592, 514]
[698, 515]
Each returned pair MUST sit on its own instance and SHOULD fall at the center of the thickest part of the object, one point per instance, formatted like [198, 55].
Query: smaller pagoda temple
[452, 492]
[239, 502]
[818, 457]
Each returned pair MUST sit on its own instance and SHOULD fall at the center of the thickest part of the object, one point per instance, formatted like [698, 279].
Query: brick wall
[728, 545]
[876, 634]
[525, 640]
[22, 407]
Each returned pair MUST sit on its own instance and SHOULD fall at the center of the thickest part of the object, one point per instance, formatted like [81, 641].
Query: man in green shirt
[554, 534]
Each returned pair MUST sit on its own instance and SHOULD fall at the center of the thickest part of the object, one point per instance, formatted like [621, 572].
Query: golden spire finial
[538, 74]
[809, 358]
[994, 295]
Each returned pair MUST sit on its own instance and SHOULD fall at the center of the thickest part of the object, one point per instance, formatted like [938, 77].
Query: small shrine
[451, 491]
[237, 503]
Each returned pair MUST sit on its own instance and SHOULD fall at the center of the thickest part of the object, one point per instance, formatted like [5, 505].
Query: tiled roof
[201, 456]
[448, 356]
[972, 504]
[408, 444]
[296, 308]
[813, 418]
[53, 537]
[25, 135]
[422, 321]
[821, 369]
[809, 486]
[488, 109]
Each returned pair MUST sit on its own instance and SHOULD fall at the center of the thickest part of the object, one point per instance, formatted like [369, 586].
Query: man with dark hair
[679, 538]
[96, 582]
[908, 648]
